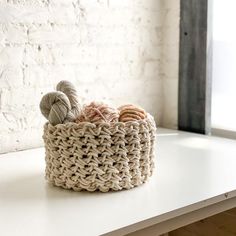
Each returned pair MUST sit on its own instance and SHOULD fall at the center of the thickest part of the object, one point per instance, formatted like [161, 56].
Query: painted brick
[170, 105]
[11, 56]
[20, 99]
[25, 14]
[13, 34]
[151, 5]
[103, 36]
[152, 68]
[54, 34]
[121, 4]
[28, 2]
[47, 76]
[38, 55]
[13, 13]
[11, 77]
[75, 54]
[117, 51]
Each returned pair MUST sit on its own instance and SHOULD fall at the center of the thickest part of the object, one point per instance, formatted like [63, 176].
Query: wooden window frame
[195, 66]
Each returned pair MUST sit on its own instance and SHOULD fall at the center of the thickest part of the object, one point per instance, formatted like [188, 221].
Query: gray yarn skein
[55, 106]
[69, 89]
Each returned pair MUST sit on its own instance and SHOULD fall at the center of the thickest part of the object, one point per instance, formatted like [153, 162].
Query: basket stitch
[100, 156]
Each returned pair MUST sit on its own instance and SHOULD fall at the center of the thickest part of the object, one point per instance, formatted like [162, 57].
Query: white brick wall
[170, 63]
[120, 51]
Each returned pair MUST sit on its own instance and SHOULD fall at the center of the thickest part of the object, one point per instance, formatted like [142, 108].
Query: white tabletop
[192, 171]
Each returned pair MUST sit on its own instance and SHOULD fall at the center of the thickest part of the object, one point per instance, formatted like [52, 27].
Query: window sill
[223, 133]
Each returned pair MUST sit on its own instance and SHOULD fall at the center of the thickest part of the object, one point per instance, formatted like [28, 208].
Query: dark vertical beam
[194, 80]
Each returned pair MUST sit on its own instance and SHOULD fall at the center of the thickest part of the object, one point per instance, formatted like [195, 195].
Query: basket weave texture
[100, 156]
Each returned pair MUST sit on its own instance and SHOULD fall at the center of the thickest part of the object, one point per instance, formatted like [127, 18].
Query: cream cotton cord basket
[100, 156]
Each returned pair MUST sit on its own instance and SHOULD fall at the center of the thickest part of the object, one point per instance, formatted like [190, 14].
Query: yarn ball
[98, 112]
[55, 106]
[70, 91]
[131, 112]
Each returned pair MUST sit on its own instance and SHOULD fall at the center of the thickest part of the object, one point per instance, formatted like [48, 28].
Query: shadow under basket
[100, 156]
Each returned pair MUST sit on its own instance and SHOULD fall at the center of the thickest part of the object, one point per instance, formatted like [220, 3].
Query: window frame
[195, 66]
[223, 133]
[195, 82]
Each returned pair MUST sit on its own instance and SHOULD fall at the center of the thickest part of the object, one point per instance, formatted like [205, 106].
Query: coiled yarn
[70, 91]
[131, 112]
[61, 106]
[55, 106]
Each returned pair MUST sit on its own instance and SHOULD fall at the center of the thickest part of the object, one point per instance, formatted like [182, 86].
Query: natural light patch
[170, 134]
[224, 65]
[194, 142]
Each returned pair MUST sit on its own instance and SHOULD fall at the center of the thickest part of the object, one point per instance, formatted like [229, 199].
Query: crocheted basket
[100, 156]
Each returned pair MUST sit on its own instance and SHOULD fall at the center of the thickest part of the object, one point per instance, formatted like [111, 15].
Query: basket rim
[149, 119]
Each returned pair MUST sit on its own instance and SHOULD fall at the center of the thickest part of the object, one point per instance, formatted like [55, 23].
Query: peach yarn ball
[131, 112]
[98, 112]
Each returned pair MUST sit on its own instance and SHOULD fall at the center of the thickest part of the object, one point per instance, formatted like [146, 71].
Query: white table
[195, 177]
